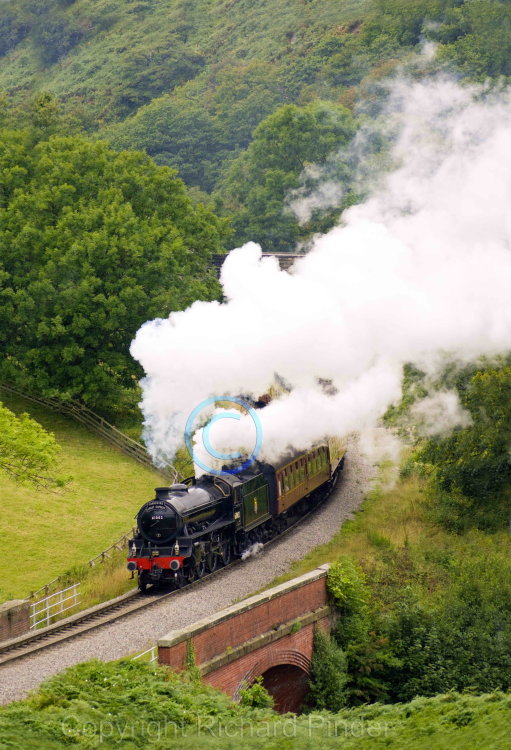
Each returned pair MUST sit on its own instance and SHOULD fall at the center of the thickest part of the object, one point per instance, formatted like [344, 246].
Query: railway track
[122, 606]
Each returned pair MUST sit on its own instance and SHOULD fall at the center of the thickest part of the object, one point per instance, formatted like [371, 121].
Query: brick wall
[294, 649]
[243, 641]
[14, 619]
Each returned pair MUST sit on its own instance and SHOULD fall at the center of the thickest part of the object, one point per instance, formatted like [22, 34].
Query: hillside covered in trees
[217, 89]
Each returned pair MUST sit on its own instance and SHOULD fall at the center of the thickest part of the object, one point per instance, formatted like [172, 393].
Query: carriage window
[286, 481]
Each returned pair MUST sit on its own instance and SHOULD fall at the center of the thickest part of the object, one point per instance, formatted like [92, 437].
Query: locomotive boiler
[188, 530]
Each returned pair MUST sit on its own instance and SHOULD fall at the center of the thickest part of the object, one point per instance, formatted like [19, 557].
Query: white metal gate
[43, 610]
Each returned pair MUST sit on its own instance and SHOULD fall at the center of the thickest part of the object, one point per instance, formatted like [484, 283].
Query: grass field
[44, 534]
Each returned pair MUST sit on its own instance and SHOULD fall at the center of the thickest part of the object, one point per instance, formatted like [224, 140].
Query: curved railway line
[121, 606]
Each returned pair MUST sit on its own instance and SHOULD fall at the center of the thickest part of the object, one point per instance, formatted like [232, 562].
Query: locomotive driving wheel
[225, 553]
[190, 573]
[211, 560]
[201, 564]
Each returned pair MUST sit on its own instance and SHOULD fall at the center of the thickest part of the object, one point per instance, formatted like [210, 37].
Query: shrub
[328, 674]
[256, 696]
[346, 585]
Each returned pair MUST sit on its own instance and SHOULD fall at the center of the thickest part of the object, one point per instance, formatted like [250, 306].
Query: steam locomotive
[190, 529]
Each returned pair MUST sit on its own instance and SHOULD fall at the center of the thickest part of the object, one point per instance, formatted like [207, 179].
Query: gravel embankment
[142, 629]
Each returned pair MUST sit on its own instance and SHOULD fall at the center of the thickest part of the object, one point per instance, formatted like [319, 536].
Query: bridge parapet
[266, 631]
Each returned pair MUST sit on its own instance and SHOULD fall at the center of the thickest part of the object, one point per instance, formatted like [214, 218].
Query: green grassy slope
[133, 705]
[46, 533]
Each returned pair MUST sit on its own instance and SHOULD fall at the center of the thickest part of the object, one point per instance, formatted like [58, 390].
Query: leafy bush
[256, 695]
[431, 619]
[463, 641]
[356, 632]
[27, 452]
[346, 584]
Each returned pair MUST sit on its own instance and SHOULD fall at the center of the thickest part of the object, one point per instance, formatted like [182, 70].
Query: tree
[471, 468]
[14, 26]
[329, 675]
[184, 138]
[477, 38]
[92, 244]
[257, 183]
[28, 454]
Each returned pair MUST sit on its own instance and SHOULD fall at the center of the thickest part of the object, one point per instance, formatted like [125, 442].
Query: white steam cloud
[419, 272]
[317, 193]
[439, 414]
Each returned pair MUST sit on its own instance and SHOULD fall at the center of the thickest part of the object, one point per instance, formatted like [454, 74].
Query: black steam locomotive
[190, 529]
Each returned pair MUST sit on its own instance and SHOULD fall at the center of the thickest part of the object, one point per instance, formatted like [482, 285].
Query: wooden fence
[101, 427]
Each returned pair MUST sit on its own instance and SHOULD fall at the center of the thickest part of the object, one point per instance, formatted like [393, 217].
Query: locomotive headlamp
[176, 548]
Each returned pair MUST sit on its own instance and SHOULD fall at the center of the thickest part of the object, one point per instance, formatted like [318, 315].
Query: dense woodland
[247, 101]
[139, 137]
[219, 90]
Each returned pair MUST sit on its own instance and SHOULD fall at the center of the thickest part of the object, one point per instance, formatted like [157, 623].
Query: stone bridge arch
[269, 635]
[285, 674]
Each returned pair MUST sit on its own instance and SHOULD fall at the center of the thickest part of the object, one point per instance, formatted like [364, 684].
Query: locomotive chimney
[162, 493]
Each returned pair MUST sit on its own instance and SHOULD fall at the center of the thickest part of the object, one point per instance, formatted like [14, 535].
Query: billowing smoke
[421, 271]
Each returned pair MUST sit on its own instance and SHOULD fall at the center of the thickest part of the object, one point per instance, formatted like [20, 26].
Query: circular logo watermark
[237, 468]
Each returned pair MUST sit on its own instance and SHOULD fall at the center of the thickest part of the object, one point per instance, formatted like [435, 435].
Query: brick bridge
[270, 634]
[285, 260]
